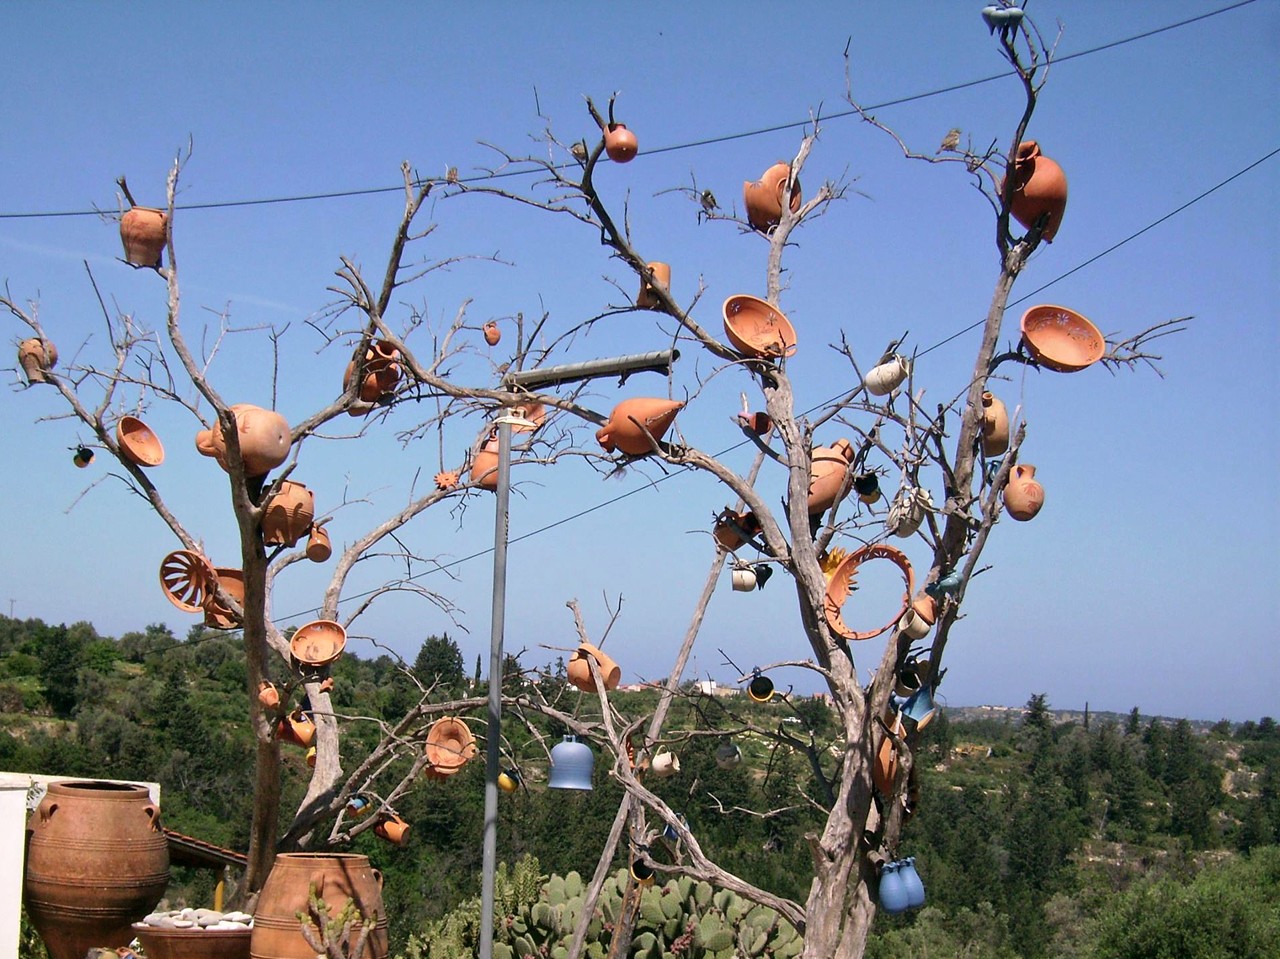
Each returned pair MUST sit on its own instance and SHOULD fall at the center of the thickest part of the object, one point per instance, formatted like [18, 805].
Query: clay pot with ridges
[143, 231]
[625, 430]
[319, 549]
[579, 668]
[137, 443]
[620, 143]
[37, 357]
[338, 877]
[196, 943]
[763, 198]
[288, 515]
[97, 861]
[827, 475]
[1039, 187]
[995, 426]
[647, 299]
[1023, 495]
[755, 328]
[264, 439]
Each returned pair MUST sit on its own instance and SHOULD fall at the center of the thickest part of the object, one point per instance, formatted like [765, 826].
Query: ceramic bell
[571, 764]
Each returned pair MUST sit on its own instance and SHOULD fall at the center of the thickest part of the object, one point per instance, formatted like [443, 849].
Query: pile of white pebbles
[198, 919]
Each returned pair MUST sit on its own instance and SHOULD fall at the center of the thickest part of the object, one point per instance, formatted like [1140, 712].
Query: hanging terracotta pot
[37, 357]
[841, 583]
[1039, 188]
[337, 878]
[288, 514]
[733, 530]
[492, 335]
[908, 511]
[319, 549]
[579, 668]
[450, 744]
[393, 829]
[186, 578]
[216, 615]
[885, 768]
[484, 465]
[1061, 339]
[137, 443]
[620, 143]
[759, 423]
[377, 386]
[646, 299]
[744, 577]
[1023, 496]
[318, 643]
[629, 421]
[763, 198]
[665, 764]
[83, 457]
[296, 729]
[755, 328]
[268, 695]
[995, 426]
[264, 439]
[883, 379]
[827, 475]
[143, 232]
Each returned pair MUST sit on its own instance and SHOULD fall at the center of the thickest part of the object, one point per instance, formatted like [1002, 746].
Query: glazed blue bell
[571, 764]
[911, 880]
[893, 891]
[920, 707]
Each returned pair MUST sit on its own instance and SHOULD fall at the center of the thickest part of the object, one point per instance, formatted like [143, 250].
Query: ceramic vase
[484, 465]
[995, 426]
[620, 143]
[744, 578]
[885, 768]
[756, 329]
[137, 443]
[579, 668]
[337, 878]
[37, 357]
[883, 379]
[1039, 189]
[646, 299]
[492, 335]
[143, 231]
[288, 515]
[629, 421]
[763, 198]
[908, 511]
[319, 549]
[264, 439]
[733, 530]
[830, 464]
[1023, 495]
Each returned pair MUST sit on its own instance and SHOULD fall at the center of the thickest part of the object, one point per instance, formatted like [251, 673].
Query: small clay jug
[579, 668]
[319, 549]
[137, 443]
[268, 695]
[830, 463]
[629, 420]
[620, 143]
[744, 578]
[216, 615]
[1039, 187]
[763, 198]
[733, 530]
[393, 829]
[760, 423]
[297, 729]
[143, 232]
[288, 515]
[646, 299]
[264, 439]
[492, 335]
[1023, 496]
[37, 357]
[888, 375]
[995, 426]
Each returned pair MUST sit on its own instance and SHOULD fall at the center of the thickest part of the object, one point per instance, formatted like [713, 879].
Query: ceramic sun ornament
[841, 583]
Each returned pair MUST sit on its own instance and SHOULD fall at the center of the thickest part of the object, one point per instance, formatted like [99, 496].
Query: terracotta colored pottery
[337, 877]
[492, 335]
[450, 744]
[629, 421]
[381, 374]
[186, 578]
[268, 695]
[579, 668]
[447, 479]
[393, 829]
[756, 329]
[319, 643]
[37, 357]
[925, 607]
[759, 423]
[312, 753]
[97, 861]
[995, 426]
[888, 375]
[296, 729]
[763, 198]
[646, 299]
[484, 465]
[885, 769]
[160, 943]
[1061, 339]
[1039, 187]
[143, 233]
[319, 549]
[264, 439]
[908, 511]
[842, 580]
[288, 515]
[137, 443]
[620, 143]
[1023, 496]
[733, 530]
[217, 616]
[827, 475]
[83, 457]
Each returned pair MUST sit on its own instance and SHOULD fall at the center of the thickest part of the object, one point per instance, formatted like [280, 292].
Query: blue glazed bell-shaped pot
[912, 882]
[893, 891]
[571, 764]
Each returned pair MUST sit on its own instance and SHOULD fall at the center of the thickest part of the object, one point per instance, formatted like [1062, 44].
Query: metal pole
[493, 734]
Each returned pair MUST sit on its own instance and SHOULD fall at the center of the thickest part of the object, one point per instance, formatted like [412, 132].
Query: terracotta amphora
[995, 426]
[216, 615]
[755, 328]
[646, 299]
[97, 861]
[484, 465]
[620, 143]
[733, 530]
[268, 695]
[1039, 188]
[1023, 496]
[763, 198]
[492, 335]
[629, 420]
[830, 463]
[37, 357]
[143, 232]
[137, 443]
[579, 668]
[337, 878]
[264, 439]
[288, 515]
[319, 549]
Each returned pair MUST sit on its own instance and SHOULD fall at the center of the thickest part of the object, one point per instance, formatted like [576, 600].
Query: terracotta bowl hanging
[1061, 339]
[318, 643]
[450, 744]
[216, 615]
[185, 577]
[841, 583]
[756, 329]
[138, 444]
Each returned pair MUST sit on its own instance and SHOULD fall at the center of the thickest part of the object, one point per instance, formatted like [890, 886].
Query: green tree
[61, 656]
[439, 662]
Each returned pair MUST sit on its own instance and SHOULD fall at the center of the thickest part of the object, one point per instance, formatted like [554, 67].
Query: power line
[725, 138]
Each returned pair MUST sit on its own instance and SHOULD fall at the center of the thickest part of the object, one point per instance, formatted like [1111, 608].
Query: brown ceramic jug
[995, 426]
[1039, 187]
[1023, 496]
[37, 357]
[264, 439]
[288, 515]
[337, 877]
[620, 143]
[830, 463]
[143, 233]
[763, 198]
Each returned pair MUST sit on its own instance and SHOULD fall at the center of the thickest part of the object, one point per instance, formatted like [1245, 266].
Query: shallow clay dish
[318, 643]
[756, 329]
[1061, 339]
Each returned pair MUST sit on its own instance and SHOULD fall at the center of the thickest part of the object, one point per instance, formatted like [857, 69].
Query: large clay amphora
[830, 464]
[97, 861]
[264, 439]
[630, 419]
[1039, 187]
[337, 877]
[288, 515]
[763, 197]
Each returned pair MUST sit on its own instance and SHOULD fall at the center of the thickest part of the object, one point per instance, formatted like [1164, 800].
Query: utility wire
[725, 138]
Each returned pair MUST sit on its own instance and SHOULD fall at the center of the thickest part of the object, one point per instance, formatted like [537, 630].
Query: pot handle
[377, 874]
[46, 812]
[153, 813]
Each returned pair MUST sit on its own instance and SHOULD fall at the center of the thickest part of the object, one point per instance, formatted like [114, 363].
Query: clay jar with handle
[288, 515]
[143, 231]
[264, 439]
[620, 143]
[492, 335]
[579, 668]
[337, 878]
[1023, 495]
[763, 197]
[37, 357]
[646, 299]
[319, 549]
[830, 463]
[97, 861]
[888, 375]
[1039, 188]
[995, 426]
[630, 419]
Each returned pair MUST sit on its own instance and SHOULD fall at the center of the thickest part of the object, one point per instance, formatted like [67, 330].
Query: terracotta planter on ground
[97, 862]
[37, 357]
[629, 421]
[337, 877]
[756, 329]
[143, 231]
[137, 443]
[160, 943]
[763, 198]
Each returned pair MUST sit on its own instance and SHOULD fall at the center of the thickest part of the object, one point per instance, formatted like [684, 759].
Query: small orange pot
[297, 729]
[763, 197]
[1039, 188]
[37, 357]
[579, 668]
[647, 299]
[620, 143]
[629, 421]
[484, 465]
[318, 546]
[288, 515]
[393, 829]
[450, 744]
[143, 231]
[492, 335]
[268, 695]
[1023, 495]
[755, 328]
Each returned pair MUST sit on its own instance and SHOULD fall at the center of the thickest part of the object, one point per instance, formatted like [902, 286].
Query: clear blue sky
[1150, 577]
